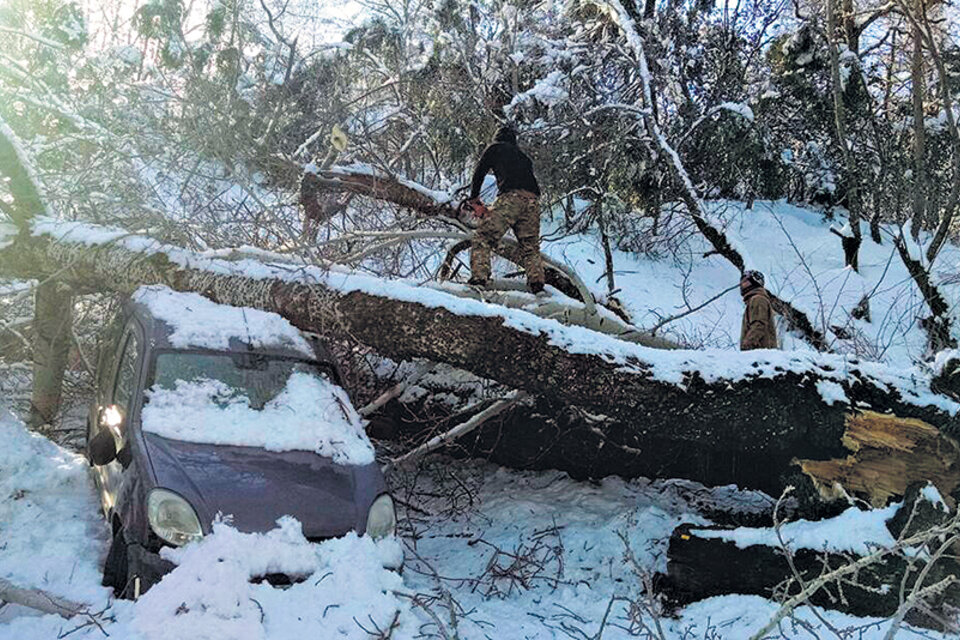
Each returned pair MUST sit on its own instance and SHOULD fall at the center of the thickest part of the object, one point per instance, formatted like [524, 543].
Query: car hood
[256, 487]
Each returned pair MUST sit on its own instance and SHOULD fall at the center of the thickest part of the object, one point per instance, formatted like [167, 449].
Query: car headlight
[382, 519]
[172, 518]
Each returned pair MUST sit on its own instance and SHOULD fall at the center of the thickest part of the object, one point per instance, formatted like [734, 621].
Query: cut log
[749, 413]
[700, 567]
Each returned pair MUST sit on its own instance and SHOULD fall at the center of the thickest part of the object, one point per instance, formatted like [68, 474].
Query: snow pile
[310, 414]
[216, 592]
[199, 322]
[51, 534]
[932, 495]
[466, 515]
[210, 594]
[852, 531]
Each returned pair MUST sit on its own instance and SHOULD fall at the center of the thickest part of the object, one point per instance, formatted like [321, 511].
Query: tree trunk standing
[851, 249]
[953, 199]
[649, 13]
[851, 32]
[53, 318]
[938, 325]
[607, 252]
[919, 131]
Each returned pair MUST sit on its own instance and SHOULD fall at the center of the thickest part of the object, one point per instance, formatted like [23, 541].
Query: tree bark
[919, 132]
[53, 319]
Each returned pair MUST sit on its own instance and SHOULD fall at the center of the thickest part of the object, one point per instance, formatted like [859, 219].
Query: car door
[117, 408]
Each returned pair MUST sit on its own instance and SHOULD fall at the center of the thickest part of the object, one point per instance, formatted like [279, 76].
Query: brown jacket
[758, 330]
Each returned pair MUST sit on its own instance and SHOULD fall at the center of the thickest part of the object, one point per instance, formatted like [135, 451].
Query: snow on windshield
[309, 414]
[199, 322]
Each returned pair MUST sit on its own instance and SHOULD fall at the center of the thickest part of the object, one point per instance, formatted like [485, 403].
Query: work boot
[477, 282]
[536, 287]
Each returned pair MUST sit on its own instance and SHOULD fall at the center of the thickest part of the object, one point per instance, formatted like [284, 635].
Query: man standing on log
[516, 207]
[758, 330]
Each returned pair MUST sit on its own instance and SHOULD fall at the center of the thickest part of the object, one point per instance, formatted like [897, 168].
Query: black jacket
[512, 167]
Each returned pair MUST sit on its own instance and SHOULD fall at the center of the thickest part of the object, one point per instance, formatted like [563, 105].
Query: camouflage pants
[517, 210]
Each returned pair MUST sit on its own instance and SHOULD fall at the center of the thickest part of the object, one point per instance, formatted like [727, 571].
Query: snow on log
[763, 405]
[866, 563]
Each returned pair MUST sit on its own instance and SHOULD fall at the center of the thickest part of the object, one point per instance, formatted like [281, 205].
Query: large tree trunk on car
[764, 412]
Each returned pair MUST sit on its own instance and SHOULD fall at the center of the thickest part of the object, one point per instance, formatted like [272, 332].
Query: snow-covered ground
[490, 553]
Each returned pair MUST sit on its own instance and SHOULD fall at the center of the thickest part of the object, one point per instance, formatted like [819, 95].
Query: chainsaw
[475, 207]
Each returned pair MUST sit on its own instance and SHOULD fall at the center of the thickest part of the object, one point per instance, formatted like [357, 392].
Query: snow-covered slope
[803, 264]
[50, 537]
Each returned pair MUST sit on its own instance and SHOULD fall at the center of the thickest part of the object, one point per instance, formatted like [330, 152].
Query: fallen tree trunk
[767, 407]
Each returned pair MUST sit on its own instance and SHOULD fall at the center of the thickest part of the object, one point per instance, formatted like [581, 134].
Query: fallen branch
[40, 600]
[653, 330]
[458, 431]
[396, 390]
[511, 295]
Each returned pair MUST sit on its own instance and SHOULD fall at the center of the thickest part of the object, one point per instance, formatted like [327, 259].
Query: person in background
[758, 330]
[516, 207]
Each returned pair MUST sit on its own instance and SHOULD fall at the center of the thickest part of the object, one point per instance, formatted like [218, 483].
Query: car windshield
[258, 377]
[254, 400]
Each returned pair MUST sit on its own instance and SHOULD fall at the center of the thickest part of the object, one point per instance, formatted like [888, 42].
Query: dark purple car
[166, 484]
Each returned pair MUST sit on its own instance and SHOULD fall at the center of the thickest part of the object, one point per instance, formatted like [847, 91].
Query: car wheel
[116, 568]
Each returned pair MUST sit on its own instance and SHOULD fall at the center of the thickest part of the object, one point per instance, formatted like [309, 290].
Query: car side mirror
[125, 456]
[102, 448]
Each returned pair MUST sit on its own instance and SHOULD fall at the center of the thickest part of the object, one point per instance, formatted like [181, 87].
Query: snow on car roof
[198, 322]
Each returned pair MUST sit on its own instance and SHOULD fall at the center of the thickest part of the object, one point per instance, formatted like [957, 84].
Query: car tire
[116, 568]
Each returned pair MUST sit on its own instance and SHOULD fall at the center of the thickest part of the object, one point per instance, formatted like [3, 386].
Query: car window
[127, 374]
[260, 378]
[109, 343]
[253, 400]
